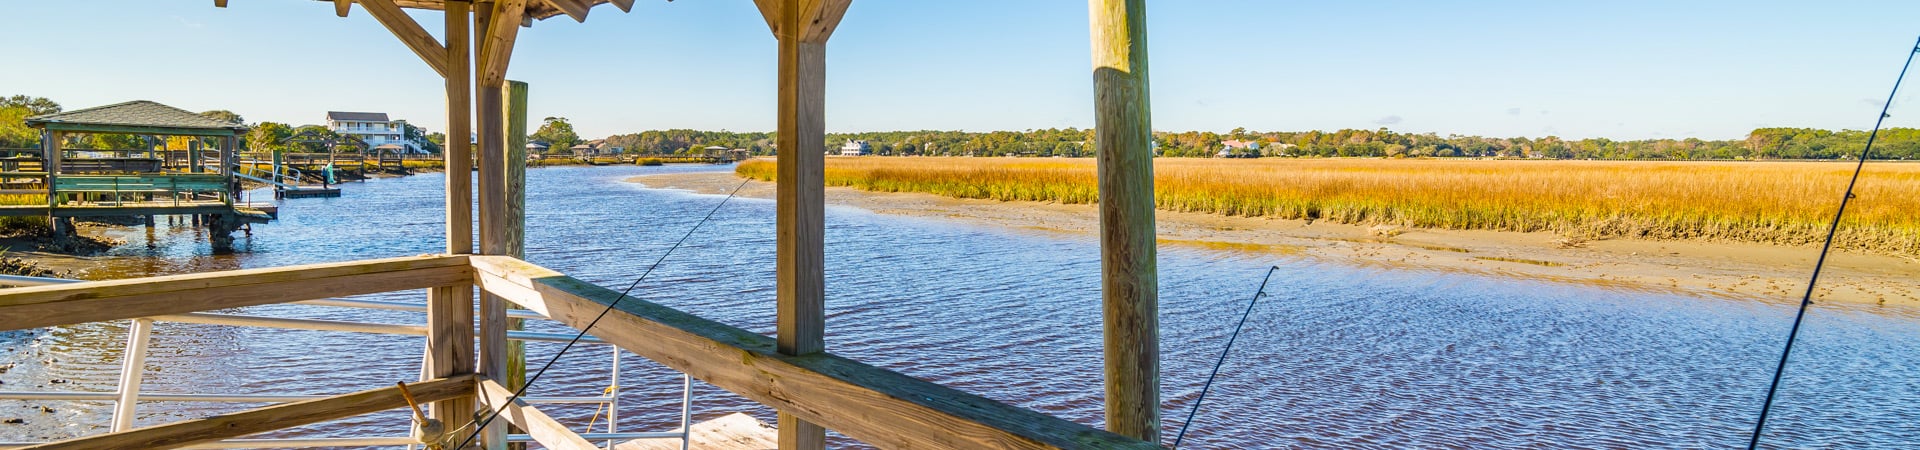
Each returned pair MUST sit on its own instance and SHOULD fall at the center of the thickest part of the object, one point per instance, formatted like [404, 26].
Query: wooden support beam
[277, 417]
[1129, 280]
[340, 7]
[577, 9]
[459, 149]
[544, 429]
[624, 5]
[219, 3]
[877, 406]
[94, 301]
[409, 32]
[497, 47]
[802, 28]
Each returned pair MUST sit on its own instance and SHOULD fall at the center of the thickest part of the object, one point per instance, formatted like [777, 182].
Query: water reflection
[1339, 357]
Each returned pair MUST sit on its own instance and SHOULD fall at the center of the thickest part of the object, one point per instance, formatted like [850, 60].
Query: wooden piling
[515, 212]
[1129, 285]
[450, 314]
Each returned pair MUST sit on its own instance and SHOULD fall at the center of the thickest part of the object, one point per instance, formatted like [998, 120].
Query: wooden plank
[577, 9]
[93, 301]
[450, 346]
[219, 3]
[497, 49]
[341, 7]
[1129, 281]
[624, 5]
[459, 152]
[544, 429]
[409, 32]
[880, 407]
[277, 417]
[823, 19]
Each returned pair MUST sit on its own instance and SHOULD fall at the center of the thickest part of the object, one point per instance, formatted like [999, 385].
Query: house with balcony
[375, 129]
[856, 148]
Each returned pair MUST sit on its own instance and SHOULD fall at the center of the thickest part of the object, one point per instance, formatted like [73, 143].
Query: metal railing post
[686, 410]
[133, 366]
[613, 397]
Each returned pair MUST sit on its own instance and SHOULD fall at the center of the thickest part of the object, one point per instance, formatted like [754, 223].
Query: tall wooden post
[459, 150]
[450, 345]
[1129, 284]
[802, 29]
[496, 25]
[50, 159]
[515, 212]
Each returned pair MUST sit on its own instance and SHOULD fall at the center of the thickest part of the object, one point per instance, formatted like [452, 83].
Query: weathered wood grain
[1129, 283]
[289, 415]
[93, 301]
[880, 407]
[544, 429]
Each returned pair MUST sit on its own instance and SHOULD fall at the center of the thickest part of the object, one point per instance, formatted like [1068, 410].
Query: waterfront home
[374, 129]
[855, 148]
[537, 148]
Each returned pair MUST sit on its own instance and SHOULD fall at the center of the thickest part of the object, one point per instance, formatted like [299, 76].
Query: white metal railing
[128, 395]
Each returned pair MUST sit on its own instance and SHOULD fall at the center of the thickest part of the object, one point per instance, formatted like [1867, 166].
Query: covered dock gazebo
[128, 183]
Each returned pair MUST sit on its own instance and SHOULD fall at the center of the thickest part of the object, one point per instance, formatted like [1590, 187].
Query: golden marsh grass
[1785, 203]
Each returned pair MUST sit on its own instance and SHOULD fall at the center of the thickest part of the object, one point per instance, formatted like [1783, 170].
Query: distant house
[374, 128]
[537, 148]
[603, 149]
[584, 151]
[855, 148]
[1234, 148]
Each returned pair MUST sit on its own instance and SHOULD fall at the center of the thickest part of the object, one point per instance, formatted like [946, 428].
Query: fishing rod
[1262, 292]
[482, 424]
[1818, 264]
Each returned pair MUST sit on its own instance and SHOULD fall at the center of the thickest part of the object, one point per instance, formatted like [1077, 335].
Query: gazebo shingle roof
[133, 114]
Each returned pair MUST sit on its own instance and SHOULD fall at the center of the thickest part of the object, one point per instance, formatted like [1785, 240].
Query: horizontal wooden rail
[277, 417]
[544, 429]
[875, 405]
[43, 306]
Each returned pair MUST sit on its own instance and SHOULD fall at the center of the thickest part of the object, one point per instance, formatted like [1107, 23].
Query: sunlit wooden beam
[497, 49]
[219, 3]
[624, 5]
[770, 10]
[577, 9]
[340, 7]
[409, 32]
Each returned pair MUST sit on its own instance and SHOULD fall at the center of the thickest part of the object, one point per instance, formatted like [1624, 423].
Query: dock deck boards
[737, 431]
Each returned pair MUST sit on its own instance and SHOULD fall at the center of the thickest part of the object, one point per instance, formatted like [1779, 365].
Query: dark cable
[1832, 229]
[596, 319]
[1262, 292]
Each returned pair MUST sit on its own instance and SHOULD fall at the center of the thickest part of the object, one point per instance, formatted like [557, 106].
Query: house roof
[537, 145]
[357, 116]
[136, 117]
[583, 147]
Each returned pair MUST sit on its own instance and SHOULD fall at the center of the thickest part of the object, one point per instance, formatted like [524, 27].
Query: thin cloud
[1513, 111]
[1388, 120]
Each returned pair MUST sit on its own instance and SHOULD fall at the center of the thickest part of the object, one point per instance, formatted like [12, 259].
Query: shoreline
[1763, 272]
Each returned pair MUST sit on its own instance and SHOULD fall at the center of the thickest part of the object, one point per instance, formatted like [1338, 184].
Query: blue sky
[1617, 69]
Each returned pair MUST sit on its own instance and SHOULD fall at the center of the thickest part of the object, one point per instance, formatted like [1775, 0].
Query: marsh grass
[1786, 203]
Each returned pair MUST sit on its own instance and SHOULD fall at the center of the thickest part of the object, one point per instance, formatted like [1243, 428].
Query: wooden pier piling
[1129, 282]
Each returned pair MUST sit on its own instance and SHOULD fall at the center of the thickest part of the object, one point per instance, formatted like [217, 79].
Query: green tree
[35, 105]
[558, 134]
[224, 115]
[270, 136]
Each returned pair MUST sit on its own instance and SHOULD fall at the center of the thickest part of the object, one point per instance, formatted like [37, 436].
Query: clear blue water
[1337, 357]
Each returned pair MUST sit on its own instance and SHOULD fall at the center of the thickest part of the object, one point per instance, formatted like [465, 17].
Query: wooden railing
[875, 405]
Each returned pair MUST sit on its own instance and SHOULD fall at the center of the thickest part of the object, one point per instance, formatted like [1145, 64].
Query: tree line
[1763, 143]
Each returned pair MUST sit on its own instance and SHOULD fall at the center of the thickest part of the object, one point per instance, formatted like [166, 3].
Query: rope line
[1262, 292]
[596, 320]
[1832, 229]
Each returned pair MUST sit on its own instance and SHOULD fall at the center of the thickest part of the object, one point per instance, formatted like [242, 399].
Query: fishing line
[1262, 292]
[596, 319]
[1832, 229]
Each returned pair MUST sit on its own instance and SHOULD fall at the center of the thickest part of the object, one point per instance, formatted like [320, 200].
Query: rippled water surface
[1338, 357]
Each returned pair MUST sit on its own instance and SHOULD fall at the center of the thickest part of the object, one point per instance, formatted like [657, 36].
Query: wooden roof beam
[497, 49]
[219, 3]
[340, 7]
[818, 18]
[577, 9]
[624, 5]
[409, 32]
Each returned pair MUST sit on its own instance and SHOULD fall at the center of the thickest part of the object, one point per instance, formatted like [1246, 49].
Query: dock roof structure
[136, 117]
